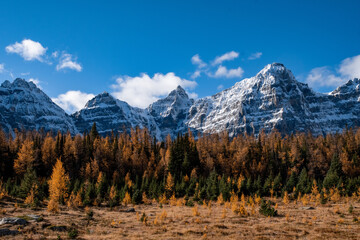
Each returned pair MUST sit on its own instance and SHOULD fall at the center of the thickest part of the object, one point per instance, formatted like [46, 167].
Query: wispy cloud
[255, 56]
[28, 49]
[67, 61]
[196, 60]
[225, 57]
[2, 67]
[72, 101]
[212, 70]
[326, 77]
[323, 77]
[143, 90]
[35, 81]
[228, 73]
[350, 67]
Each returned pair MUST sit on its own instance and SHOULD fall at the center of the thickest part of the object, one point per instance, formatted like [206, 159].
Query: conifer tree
[58, 186]
[26, 157]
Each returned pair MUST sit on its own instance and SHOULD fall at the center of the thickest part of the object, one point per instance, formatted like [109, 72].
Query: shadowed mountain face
[24, 106]
[272, 99]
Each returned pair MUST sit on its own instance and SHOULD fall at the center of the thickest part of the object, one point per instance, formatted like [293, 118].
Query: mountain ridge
[272, 99]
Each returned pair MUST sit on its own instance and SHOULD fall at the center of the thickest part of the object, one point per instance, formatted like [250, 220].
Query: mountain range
[273, 99]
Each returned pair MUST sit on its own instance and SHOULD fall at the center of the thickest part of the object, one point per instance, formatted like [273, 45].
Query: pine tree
[303, 183]
[28, 181]
[291, 183]
[93, 132]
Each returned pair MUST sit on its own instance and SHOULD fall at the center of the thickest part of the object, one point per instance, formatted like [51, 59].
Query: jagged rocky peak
[177, 98]
[101, 99]
[179, 91]
[19, 83]
[23, 105]
[274, 73]
[350, 88]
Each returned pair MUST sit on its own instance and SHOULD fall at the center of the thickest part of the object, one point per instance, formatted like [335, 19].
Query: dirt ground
[328, 221]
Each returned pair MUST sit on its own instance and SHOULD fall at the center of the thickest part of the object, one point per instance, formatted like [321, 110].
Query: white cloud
[228, 73]
[2, 68]
[196, 74]
[143, 90]
[323, 77]
[192, 95]
[220, 87]
[255, 56]
[350, 67]
[35, 81]
[196, 60]
[226, 57]
[72, 101]
[55, 54]
[27, 49]
[66, 61]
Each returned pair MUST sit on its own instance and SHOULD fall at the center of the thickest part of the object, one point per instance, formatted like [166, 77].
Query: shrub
[189, 203]
[73, 233]
[267, 210]
[351, 208]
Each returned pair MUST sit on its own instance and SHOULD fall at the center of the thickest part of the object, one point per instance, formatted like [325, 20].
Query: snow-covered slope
[260, 102]
[273, 99]
[170, 113]
[23, 105]
[111, 114]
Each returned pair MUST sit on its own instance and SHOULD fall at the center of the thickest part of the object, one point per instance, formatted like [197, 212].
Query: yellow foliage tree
[58, 186]
[169, 187]
[25, 157]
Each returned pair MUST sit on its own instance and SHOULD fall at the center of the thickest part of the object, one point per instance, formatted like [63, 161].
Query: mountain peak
[273, 68]
[350, 87]
[103, 98]
[179, 91]
[19, 83]
[275, 73]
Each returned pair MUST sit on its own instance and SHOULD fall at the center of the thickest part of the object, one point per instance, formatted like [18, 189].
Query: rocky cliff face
[24, 106]
[171, 112]
[273, 99]
[111, 114]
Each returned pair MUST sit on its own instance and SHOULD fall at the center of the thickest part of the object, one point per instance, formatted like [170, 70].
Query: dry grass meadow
[176, 221]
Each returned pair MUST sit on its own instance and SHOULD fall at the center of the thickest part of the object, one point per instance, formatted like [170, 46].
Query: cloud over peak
[28, 49]
[143, 90]
[72, 101]
[326, 77]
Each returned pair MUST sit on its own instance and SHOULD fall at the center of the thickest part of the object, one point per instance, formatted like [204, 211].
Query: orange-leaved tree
[58, 186]
[25, 157]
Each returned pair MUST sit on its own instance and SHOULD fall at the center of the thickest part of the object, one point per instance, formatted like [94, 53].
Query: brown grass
[330, 221]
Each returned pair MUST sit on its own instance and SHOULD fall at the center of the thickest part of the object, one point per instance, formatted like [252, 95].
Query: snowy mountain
[171, 112]
[24, 106]
[111, 114]
[273, 99]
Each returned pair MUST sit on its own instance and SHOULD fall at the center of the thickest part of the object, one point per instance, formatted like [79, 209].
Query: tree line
[90, 169]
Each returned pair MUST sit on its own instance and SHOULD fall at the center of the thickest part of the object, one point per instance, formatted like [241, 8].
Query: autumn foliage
[134, 167]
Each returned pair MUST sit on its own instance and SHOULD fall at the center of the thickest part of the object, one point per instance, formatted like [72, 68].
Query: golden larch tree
[58, 186]
[25, 157]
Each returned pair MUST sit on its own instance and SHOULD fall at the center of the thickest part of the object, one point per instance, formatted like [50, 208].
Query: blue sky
[140, 50]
